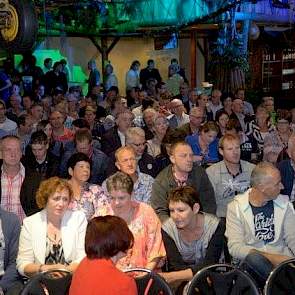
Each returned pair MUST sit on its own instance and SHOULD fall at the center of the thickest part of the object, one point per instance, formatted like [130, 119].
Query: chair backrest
[149, 282]
[221, 279]
[282, 279]
[52, 282]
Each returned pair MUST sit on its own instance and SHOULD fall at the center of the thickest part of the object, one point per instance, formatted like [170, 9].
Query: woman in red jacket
[107, 240]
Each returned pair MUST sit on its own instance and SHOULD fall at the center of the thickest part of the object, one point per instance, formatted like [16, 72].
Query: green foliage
[229, 55]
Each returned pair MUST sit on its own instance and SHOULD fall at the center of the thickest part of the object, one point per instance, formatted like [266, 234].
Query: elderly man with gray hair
[260, 224]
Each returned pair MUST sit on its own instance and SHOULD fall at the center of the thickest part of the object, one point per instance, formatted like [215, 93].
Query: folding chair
[221, 279]
[151, 283]
[281, 280]
[52, 282]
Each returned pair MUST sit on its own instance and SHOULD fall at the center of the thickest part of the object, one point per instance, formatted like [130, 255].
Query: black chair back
[149, 282]
[221, 279]
[281, 280]
[52, 282]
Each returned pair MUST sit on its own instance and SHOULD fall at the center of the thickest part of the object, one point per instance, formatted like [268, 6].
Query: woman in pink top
[148, 250]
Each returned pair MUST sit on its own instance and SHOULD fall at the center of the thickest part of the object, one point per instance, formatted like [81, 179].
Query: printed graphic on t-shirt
[234, 186]
[264, 222]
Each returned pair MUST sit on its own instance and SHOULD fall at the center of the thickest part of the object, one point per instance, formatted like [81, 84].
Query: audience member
[148, 249]
[205, 144]
[15, 109]
[237, 113]
[23, 131]
[54, 237]
[135, 137]
[132, 76]
[111, 79]
[55, 80]
[226, 99]
[277, 141]
[203, 103]
[259, 224]
[148, 116]
[180, 173]
[179, 117]
[149, 72]
[160, 127]
[27, 103]
[107, 239]
[115, 137]
[287, 169]
[231, 176]
[37, 113]
[99, 161]
[184, 95]
[174, 80]
[12, 174]
[10, 282]
[86, 197]
[193, 239]
[215, 103]
[247, 106]
[40, 164]
[126, 162]
[196, 117]
[260, 127]
[221, 120]
[47, 65]
[59, 132]
[94, 77]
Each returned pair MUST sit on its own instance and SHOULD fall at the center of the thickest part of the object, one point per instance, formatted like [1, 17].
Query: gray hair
[134, 131]
[261, 173]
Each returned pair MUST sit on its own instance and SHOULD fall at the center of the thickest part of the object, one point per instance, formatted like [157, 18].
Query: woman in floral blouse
[87, 197]
[148, 250]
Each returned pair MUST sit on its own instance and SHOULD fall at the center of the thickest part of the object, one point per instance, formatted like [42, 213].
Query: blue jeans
[258, 267]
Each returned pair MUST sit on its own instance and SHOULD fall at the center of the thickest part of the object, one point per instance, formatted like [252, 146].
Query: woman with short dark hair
[192, 238]
[107, 239]
[86, 197]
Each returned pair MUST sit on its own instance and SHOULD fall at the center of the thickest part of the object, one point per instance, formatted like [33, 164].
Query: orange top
[101, 277]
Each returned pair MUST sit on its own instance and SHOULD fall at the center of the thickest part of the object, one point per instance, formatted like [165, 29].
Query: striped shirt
[10, 192]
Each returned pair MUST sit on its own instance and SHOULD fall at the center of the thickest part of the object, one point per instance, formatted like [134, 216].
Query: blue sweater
[212, 156]
[287, 175]
[11, 232]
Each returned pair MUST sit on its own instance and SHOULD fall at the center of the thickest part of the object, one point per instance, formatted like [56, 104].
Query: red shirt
[101, 277]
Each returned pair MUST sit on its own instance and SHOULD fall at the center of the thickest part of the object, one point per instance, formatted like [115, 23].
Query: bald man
[179, 116]
[260, 224]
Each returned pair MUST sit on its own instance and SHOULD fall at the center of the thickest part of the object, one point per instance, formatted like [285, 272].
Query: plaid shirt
[10, 191]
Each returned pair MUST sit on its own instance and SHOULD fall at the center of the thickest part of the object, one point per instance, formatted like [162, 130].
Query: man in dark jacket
[181, 172]
[40, 164]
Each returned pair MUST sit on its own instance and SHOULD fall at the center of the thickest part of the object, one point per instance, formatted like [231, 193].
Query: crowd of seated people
[188, 177]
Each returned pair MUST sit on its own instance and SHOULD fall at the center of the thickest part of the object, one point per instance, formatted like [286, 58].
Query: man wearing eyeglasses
[196, 118]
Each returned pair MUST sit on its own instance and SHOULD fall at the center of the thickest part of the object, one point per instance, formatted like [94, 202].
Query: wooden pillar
[193, 47]
[206, 56]
[104, 55]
